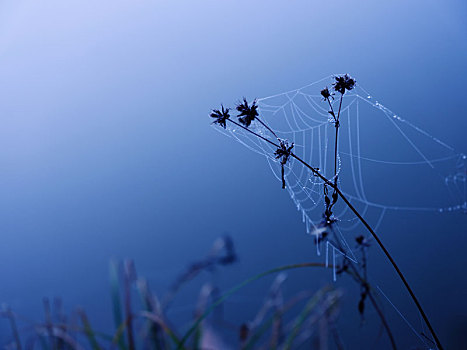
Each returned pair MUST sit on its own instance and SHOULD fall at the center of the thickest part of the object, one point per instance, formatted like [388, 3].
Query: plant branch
[336, 123]
[364, 282]
[254, 133]
[367, 226]
[375, 236]
[335, 152]
[267, 127]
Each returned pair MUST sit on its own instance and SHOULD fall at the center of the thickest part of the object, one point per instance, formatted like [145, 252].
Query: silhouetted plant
[283, 153]
[341, 85]
[221, 116]
[247, 113]
[150, 327]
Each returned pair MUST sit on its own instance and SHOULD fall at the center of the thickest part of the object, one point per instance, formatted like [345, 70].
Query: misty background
[106, 149]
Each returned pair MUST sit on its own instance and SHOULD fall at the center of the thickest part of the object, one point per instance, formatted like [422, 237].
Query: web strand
[301, 116]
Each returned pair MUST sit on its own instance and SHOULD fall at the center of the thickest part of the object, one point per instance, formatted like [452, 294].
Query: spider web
[385, 163]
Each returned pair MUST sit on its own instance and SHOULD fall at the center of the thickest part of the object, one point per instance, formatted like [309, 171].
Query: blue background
[106, 149]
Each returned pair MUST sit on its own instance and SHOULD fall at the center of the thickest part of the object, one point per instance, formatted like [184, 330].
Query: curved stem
[368, 227]
[267, 127]
[364, 281]
[357, 278]
[361, 280]
[335, 153]
[399, 272]
[252, 132]
[375, 236]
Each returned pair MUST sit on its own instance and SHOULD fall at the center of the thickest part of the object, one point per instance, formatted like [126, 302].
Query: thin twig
[267, 127]
[367, 226]
[364, 282]
[336, 124]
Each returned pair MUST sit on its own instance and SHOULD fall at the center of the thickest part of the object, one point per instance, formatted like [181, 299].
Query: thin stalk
[89, 332]
[336, 123]
[48, 324]
[367, 226]
[335, 152]
[128, 279]
[364, 281]
[14, 328]
[375, 236]
[254, 133]
[332, 109]
[267, 127]
[116, 303]
[340, 106]
[357, 278]
[336, 141]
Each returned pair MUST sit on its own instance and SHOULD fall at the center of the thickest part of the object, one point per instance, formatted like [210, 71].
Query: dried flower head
[343, 83]
[283, 153]
[326, 94]
[247, 113]
[221, 116]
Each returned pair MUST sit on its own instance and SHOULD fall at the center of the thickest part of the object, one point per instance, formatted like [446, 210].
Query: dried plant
[341, 85]
[146, 324]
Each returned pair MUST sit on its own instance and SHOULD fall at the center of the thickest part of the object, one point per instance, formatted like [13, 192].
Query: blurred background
[106, 149]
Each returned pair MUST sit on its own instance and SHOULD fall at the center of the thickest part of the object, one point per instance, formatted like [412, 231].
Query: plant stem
[364, 281]
[252, 132]
[359, 279]
[340, 106]
[267, 127]
[365, 223]
[335, 153]
[332, 109]
[375, 236]
[336, 124]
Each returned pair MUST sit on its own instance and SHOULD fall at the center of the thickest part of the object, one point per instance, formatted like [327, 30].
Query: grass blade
[116, 304]
[88, 331]
[129, 278]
